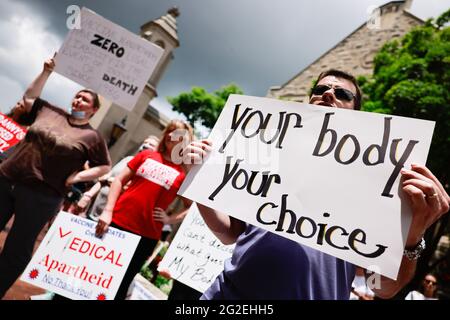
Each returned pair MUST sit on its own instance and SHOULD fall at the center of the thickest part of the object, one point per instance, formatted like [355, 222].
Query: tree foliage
[411, 78]
[200, 105]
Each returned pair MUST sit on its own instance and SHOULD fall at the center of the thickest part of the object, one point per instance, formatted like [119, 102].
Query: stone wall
[354, 54]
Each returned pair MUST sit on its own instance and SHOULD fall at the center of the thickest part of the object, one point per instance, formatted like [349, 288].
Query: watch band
[414, 253]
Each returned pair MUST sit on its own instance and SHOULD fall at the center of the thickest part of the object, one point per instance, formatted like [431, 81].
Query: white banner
[72, 262]
[108, 59]
[195, 256]
[325, 177]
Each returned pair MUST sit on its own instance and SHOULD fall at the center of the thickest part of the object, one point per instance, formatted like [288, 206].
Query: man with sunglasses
[267, 266]
[336, 89]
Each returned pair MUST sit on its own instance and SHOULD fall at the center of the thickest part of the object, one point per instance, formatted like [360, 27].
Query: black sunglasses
[340, 93]
[430, 281]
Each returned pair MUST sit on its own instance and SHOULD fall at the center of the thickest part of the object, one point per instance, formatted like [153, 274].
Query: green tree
[200, 105]
[411, 78]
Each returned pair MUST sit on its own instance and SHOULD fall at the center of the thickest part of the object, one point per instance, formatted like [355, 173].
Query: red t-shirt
[155, 184]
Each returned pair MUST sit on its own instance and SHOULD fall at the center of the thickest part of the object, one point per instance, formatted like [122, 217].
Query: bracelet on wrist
[414, 253]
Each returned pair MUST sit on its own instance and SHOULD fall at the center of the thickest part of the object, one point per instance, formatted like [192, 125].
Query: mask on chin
[78, 114]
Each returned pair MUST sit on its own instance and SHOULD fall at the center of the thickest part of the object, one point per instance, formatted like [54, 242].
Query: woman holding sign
[38, 173]
[155, 179]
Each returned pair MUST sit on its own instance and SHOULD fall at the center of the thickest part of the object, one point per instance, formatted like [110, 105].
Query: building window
[160, 43]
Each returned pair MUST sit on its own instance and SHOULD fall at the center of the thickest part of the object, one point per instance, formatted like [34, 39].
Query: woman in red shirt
[155, 179]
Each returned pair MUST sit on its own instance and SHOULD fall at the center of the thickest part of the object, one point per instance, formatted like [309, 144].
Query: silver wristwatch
[414, 253]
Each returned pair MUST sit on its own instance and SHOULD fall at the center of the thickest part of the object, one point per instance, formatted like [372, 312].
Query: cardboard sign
[195, 256]
[108, 59]
[325, 177]
[139, 292]
[10, 133]
[72, 262]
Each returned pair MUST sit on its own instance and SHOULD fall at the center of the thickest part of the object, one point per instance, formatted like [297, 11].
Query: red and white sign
[158, 173]
[71, 261]
[10, 133]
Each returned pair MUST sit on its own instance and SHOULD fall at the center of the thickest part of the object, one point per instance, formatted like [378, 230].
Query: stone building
[144, 119]
[355, 53]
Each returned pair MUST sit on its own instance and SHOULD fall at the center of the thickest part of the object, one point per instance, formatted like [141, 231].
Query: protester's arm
[35, 88]
[88, 174]
[227, 229]
[92, 192]
[429, 202]
[114, 191]
[224, 227]
[87, 197]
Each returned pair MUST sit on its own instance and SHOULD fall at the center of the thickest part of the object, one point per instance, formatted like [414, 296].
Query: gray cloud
[254, 43]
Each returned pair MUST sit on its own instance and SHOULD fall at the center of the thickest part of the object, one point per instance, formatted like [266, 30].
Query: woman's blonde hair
[172, 126]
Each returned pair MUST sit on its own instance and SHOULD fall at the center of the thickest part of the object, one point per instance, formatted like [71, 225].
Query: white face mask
[78, 114]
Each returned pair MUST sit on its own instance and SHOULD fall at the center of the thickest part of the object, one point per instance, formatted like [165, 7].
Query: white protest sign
[195, 256]
[142, 289]
[108, 59]
[325, 177]
[72, 262]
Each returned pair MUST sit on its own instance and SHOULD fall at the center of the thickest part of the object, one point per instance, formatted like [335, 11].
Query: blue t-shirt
[267, 266]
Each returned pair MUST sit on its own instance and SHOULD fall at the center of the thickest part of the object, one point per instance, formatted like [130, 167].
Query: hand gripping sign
[327, 178]
[108, 59]
[72, 262]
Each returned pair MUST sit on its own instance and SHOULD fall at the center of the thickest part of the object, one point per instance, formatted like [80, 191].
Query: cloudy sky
[253, 43]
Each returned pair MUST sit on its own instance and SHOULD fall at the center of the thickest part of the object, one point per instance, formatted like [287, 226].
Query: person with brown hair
[19, 113]
[38, 172]
[155, 179]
